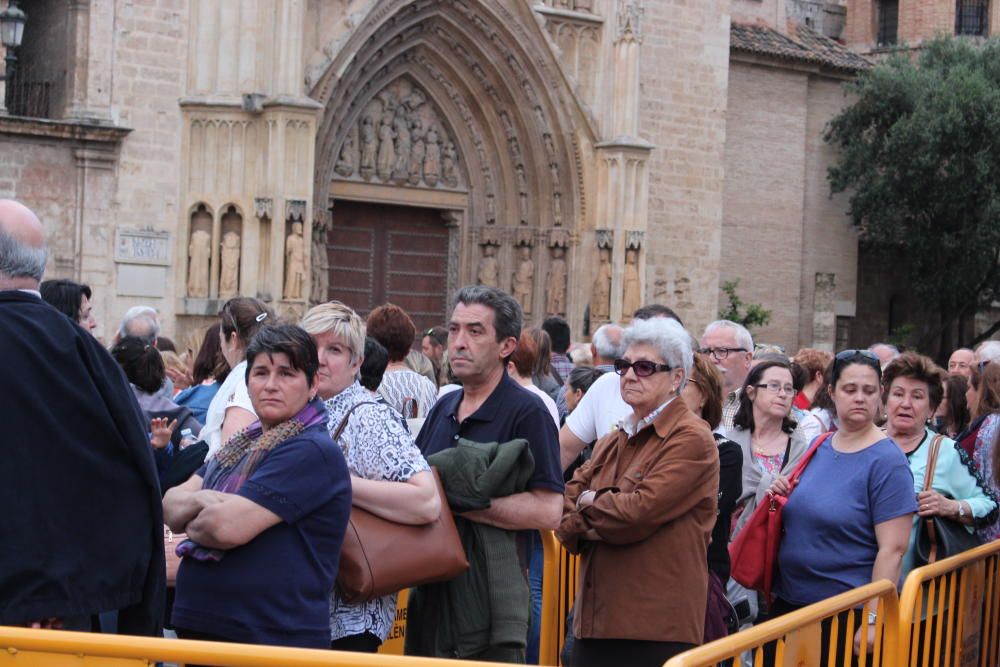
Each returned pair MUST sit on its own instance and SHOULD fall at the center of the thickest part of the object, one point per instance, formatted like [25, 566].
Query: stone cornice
[237, 102]
[568, 15]
[626, 144]
[63, 130]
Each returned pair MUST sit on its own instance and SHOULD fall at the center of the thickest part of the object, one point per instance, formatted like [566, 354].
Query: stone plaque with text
[134, 246]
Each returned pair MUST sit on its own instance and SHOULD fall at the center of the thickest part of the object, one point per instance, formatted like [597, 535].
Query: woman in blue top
[208, 372]
[848, 521]
[914, 388]
[266, 516]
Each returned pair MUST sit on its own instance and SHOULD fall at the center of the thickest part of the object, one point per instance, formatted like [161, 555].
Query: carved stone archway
[480, 73]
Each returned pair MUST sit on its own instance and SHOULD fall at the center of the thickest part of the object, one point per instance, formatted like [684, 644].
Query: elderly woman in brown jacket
[641, 512]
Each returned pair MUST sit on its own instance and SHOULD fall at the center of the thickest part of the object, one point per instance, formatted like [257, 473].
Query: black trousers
[366, 642]
[781, 607]
[615, 652]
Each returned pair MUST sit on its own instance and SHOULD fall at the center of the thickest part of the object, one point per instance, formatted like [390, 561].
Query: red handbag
[754, 552]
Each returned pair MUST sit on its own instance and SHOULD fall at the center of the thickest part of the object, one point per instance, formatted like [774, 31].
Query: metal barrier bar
[950, 611]
[22, 647]
[795, 638]
[559, 580]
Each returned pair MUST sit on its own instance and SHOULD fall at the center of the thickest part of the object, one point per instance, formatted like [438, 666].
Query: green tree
[919, 153]
[749, 315]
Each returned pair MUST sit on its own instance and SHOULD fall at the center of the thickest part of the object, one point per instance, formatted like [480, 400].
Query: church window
[971, 17]
[888, 22]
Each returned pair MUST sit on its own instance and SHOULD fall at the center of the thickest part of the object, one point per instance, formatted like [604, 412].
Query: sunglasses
[866, 357]
[642, 369]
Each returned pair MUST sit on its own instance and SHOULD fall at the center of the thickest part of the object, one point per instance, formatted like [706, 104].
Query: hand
[46, 624]
[207, 497]
[932, 503]
[181, 379]
[779, 486]
[161, 431]
[871, 638]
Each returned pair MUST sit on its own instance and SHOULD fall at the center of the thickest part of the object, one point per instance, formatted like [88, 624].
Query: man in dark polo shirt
[491, 407]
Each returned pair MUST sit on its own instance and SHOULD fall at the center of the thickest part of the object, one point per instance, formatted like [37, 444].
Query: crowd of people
[646, 450]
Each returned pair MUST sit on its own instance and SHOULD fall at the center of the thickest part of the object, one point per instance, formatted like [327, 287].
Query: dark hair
[392, 327]
[525, 354]
[823, 399]
[543, 354]
[376, 358]
[164, 344]
[507, 314]
[439, 334]
[800, 376]
[708, 379]
[210, 363]
[744, 416]
[244, 316]
[141, 362]
[558, 330]
[958, 409]
[651, 310]
[582, 377]
[846, 358]
[915, 367]
[287, 339]
[65, 296]
[987, 382]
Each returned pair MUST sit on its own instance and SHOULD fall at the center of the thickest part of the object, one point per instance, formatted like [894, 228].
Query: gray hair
[605, 343]
[141, 322]
[507, 314]
[20, 260]
[988, 351]
[743, 337]
[668, 337]
[892, 348]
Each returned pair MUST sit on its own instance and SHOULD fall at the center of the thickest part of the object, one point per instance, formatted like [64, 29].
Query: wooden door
[396, 254]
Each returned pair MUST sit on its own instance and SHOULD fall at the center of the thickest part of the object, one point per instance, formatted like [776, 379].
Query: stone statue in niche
[523, 278]
[200, 255]
[295, 263]
[229, 278]
[386, 149]
[555, 290]
[448, 157]
[489, 270]
[415, 171]
[345, 165]
[682, 292]
[632, 297]
[401, 128]
[369, 147]
[432, 158]
[600, 299]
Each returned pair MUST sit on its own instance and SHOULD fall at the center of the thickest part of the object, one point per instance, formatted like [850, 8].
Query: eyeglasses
[642, 369]
[776, 387]
[864, 356]
[720, 353]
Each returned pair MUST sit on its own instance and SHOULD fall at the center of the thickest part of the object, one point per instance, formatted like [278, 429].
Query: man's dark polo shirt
[510, 412]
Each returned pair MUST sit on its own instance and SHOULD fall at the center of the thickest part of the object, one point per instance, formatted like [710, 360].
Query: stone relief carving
[682, 292]
[229, 278]
[295, 263]
[263, 207]
[523, 282]
[400, 138]
[319, 276]
[489, 269]
[199, 258]
[600, 298]
[605, 237]
[295, 209]
[555, 290]
[632, 294]
[634, 238]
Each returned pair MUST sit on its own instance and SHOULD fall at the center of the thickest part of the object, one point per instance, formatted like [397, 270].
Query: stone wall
[683, 112]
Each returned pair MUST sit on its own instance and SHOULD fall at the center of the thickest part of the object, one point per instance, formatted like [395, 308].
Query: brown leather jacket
[656, 504]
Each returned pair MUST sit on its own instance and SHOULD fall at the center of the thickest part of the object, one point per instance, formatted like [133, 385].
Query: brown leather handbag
[380, 557]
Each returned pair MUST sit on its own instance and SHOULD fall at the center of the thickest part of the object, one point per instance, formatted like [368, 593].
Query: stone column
[824, 312]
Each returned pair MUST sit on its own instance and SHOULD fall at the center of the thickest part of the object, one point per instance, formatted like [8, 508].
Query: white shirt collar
[632, 427]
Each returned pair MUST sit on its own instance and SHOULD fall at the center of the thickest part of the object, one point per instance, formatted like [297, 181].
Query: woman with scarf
[266, 516]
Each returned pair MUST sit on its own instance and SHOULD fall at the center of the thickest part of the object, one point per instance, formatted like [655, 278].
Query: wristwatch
[961, 509]
[872, 618]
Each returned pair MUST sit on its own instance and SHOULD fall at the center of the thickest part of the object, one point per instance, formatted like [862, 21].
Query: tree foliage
[749, 315]
[919, 153]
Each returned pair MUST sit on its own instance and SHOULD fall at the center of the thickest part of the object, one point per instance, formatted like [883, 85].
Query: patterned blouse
[982, 456]
[377, 446]
[397, 386]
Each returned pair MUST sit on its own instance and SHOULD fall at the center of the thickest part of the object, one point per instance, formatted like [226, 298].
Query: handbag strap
[345, 418]
[793, 479]
[932, 456]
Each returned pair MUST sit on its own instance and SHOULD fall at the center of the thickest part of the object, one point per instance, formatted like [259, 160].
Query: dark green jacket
[484, 613]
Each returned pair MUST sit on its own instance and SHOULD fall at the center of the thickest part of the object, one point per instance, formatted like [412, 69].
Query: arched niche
[230, 243]
[199, 251]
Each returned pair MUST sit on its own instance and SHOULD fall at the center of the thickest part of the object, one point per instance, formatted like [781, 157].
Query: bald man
[83, 533]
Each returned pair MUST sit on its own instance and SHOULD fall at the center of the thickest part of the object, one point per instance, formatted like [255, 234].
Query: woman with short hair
[389, 476]
[266, 517]
[519, 367]
[72, 300]
[650, 489]
[411, 394]
[913, 388]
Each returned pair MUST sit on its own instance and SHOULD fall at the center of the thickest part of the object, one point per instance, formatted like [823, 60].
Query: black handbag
[940, 537]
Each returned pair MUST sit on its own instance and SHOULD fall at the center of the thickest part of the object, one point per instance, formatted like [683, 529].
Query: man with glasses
[730, 347]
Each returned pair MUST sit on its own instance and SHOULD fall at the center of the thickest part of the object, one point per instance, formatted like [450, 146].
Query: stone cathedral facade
[585, 155]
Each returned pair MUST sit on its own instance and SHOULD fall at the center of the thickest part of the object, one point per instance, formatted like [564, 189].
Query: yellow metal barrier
[394, 643]
[20, 647]
[796, 638]
[950, 611]
[560, 574]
